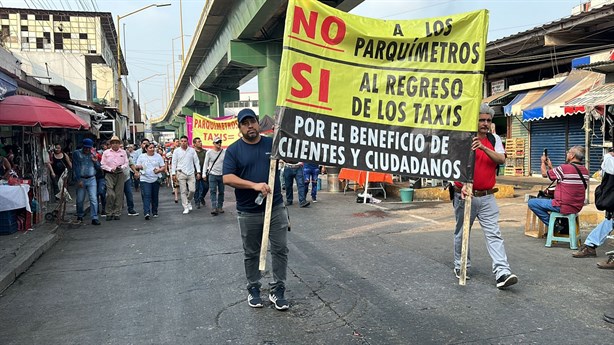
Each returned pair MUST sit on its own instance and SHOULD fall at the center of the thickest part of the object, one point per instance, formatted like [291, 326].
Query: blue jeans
[128, 194]
[291, 175]
[598, 235]
[89, 186]
[202, 187]
[150, 194]
[485, 209]
[102, 193]
[216, 187]
[250, 225]
[542, 208]
[311, 175]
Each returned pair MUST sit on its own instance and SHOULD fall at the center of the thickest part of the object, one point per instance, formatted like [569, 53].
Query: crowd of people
[109, 174]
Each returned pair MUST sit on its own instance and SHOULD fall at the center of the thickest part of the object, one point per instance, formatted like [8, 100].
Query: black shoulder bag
[212, 164]
[581, 176]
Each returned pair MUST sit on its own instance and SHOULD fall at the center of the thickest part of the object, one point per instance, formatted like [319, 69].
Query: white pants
[187, 186]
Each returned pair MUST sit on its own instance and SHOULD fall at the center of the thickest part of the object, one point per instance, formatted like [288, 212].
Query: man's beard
[251, 137]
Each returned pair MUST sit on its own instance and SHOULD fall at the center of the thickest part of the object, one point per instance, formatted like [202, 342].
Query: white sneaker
[186, 211]
[190, 207]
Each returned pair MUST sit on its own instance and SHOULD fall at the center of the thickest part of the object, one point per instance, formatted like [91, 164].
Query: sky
[150, 35]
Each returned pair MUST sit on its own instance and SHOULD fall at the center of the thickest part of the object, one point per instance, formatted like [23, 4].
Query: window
[83, 36]
[93, 89]
[24, 28]
[108, 126]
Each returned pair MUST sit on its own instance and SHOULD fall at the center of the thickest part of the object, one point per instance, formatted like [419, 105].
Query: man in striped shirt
[571, 180]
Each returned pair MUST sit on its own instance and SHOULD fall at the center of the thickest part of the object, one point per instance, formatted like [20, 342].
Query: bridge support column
[268, 79]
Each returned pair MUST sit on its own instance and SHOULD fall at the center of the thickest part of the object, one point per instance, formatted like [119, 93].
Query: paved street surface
[358, 274]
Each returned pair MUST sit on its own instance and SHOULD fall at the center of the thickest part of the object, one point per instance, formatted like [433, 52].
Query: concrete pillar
[268, 79]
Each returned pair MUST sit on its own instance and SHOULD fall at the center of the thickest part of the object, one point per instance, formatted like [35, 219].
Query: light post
[173, 47]
[119, 64]
[138, 96]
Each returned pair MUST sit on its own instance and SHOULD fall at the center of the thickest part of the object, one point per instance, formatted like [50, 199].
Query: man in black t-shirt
[246, 168]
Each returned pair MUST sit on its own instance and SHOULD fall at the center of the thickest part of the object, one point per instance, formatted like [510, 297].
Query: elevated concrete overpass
[235, 41]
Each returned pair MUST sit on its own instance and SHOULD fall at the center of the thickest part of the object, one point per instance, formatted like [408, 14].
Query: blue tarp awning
[8, 86]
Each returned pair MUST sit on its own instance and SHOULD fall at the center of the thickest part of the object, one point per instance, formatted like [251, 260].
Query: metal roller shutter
[548, 134]
[576, 137]
[558, 135]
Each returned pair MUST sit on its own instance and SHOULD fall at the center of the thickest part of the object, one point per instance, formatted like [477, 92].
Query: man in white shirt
[185, 161]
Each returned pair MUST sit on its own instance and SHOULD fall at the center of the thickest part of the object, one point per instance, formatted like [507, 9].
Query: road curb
[26, 256]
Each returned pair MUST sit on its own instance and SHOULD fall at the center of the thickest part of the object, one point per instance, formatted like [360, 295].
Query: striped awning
[496, 98]
[601, 95]
[552, 103]
[521, 101]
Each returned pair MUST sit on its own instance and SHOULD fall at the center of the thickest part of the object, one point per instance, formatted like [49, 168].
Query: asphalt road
[358, 274]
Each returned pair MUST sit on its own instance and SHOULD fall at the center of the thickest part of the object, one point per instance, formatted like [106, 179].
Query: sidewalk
[20, 250]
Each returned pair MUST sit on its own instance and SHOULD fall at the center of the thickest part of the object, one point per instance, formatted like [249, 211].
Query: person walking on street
[101, 184]
[599, 234]
[294, 172]
[311, 171]
[58, 163]
[185, 161]
[484, 206]
[213, 168]
[150, 167]
[569, 191]
[114, 161]
[172, 181]
[202, 185]
[137, 152]
[84, 171]
[128, 184]
[246, 168]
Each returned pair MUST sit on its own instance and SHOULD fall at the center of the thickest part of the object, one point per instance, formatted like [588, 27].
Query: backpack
[604, 193]
[493, 140]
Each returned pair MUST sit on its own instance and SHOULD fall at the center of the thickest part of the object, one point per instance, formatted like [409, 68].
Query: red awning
[31, 111]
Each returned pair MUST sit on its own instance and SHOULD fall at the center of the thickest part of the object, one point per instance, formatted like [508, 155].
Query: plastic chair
[574, 230]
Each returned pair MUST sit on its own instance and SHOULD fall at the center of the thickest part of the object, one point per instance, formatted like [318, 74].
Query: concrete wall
[64, 69]
[105, 83]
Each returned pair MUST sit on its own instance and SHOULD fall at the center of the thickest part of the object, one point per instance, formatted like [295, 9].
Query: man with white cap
[85, 164]
[114, 161]
[213, 167]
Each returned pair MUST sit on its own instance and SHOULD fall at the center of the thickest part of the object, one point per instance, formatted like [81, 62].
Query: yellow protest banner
[384, 95]
[207, 129]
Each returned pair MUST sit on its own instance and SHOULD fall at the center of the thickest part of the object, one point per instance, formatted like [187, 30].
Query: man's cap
[217, 140]
[115, 138]
[88, 143]
[245, 113]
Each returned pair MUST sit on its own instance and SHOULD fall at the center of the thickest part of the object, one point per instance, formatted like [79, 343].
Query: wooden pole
[364, 201]
[267, 216]
[465, 242]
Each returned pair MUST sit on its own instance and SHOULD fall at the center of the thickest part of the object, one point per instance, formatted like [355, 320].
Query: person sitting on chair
[571, 183]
